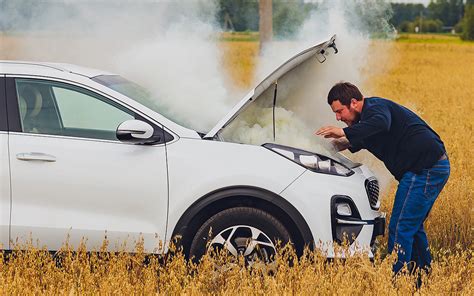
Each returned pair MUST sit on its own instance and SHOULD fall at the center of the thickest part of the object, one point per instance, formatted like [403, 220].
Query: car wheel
[245, 231]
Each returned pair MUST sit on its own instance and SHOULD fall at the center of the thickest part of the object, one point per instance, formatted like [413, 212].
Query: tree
[288, 16]
[404, 13]
[429, 25]
[243, 13]
[468, 23]
[448, 11]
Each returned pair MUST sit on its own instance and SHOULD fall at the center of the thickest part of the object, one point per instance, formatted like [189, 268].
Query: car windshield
[131, 90]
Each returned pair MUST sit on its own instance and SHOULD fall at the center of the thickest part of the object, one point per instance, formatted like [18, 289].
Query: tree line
[288, 15]
[439, 16]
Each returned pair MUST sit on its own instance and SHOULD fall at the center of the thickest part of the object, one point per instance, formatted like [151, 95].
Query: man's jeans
[414, 199]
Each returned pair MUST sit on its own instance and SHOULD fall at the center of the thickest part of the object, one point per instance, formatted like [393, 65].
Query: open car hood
[318, 52]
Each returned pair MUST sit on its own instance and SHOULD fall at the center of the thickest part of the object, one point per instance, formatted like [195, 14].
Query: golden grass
[239, 59]
[77, 272]
[434, 79]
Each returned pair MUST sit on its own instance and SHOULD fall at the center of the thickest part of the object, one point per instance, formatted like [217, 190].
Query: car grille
[372, 188]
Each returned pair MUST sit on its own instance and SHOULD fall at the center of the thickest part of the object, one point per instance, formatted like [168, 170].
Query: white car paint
[309, 194]
[205, 166]
[4, 190]
[93, 186]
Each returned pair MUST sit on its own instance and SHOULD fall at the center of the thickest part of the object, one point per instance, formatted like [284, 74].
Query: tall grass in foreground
[76, 272]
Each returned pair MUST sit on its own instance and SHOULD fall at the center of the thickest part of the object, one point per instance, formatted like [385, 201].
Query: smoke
[301, 101]
[353, 40]
[182, 67]
[169, 47]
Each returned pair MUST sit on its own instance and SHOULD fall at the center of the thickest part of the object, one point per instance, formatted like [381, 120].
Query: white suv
[85, 153]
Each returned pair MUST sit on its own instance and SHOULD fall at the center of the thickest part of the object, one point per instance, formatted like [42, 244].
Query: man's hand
[331, 132]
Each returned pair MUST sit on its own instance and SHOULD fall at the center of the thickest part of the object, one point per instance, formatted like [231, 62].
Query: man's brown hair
[344, 92]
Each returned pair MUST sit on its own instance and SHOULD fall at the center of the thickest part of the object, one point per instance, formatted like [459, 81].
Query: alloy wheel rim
[245, 240]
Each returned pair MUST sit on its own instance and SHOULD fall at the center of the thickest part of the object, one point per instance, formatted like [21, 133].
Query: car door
[4, 171]
[71, 177]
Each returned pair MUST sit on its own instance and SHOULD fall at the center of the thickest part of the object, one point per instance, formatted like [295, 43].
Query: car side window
[55, 108]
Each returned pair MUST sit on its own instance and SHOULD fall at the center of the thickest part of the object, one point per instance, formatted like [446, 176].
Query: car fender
[248, 196]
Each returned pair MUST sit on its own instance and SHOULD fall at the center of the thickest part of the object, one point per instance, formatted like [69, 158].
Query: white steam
[307, 100]
[302, 102]
[353, 41]
[169, 47]
[182, 68]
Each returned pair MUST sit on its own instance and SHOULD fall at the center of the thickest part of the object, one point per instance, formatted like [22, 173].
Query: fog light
[344, 209]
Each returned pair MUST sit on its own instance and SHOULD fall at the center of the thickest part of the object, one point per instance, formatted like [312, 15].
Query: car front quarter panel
[311, 195]
[199, 167]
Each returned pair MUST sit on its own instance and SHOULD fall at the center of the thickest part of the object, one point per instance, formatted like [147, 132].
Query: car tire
[246, 231]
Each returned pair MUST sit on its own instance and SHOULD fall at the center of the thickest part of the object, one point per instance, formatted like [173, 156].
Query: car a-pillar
[237, 203]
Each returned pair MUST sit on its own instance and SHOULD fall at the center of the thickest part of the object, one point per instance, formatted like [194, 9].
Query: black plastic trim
[3, 106]
[379, 226]
[14, 124]
[374, 182]
[187, 223]
[336, 227]
[159, 132]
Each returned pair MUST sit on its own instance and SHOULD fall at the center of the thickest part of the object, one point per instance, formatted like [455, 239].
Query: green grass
[430, 38]
[403, 37]
[239, 36]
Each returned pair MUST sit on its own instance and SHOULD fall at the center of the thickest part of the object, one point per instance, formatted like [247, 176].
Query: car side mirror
[136, 132]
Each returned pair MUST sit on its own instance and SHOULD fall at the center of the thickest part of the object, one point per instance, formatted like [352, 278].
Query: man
[410, 150]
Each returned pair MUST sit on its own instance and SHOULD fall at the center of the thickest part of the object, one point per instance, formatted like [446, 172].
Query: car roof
[41, 68]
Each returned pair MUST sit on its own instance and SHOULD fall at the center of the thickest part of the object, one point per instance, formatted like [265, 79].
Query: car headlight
[311, 161]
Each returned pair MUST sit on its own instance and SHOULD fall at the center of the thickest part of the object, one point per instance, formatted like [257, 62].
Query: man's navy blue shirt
[395, 135]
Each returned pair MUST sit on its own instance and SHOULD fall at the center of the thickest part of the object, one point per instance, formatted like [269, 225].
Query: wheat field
[435, 79]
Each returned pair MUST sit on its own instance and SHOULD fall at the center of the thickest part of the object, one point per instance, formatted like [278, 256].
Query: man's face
[349, 115]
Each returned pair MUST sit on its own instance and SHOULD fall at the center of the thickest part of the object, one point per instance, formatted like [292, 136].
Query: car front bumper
[362, 224]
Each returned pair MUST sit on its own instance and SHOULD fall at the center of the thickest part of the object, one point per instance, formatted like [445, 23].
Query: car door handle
[36, 156]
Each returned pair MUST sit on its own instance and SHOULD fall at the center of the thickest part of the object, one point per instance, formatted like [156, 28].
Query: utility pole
[265, 22]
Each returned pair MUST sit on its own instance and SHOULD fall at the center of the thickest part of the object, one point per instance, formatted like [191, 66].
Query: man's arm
[377, 120]
[341, 144]
[355, 147]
